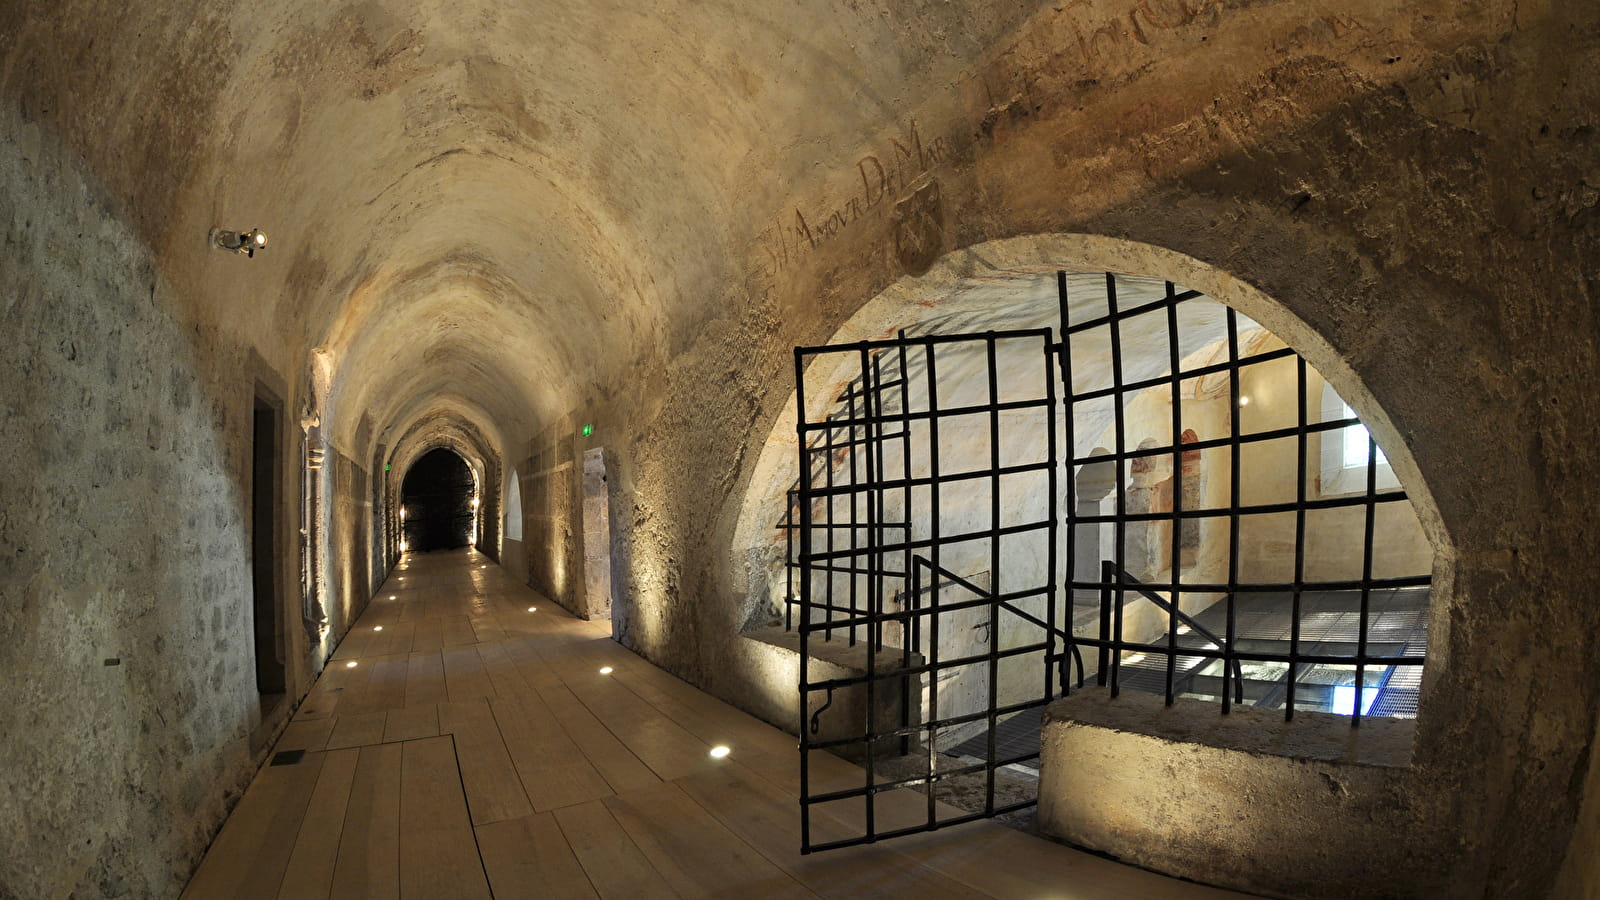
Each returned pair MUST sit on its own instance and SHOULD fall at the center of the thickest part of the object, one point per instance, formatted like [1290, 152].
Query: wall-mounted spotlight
[246, 242]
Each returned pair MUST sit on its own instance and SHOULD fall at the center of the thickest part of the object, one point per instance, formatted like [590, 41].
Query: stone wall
[129, 704]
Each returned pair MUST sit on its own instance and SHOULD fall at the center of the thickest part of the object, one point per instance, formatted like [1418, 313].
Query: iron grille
[876, 553]
[1188, 647]
[914, 623]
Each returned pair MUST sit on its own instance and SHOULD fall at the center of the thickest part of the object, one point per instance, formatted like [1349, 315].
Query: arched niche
[959, 294]
[1010, 283]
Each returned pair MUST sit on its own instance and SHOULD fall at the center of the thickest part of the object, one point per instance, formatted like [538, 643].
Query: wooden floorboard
[464, 675]
[386, 686]
[397, 637]
[530, 857]
[438, 854]
[659, 743]
[615, 865]
[554, 771]
[249, 856]
[368, 864]
[316, 849]
[357, 730]
[476, 747]
[693, 852]
[428, 635]
[615, 762]
[411, 722]
[306, 733]
[763, 815]
[494, 791]
[503, 675]
[457, 632]
[425, 679]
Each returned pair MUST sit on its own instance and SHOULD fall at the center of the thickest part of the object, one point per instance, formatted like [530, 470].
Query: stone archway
[953, 295]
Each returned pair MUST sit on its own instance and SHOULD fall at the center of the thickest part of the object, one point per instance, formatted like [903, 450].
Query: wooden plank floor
[459, 745]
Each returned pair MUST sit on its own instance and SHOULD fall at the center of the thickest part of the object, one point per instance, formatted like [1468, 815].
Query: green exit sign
[588, 430]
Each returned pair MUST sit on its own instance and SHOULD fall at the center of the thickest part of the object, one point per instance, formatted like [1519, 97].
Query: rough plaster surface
[516, 220]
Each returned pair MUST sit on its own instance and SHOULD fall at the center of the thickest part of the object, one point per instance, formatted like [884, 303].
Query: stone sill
[1311, 736]
[837, 652]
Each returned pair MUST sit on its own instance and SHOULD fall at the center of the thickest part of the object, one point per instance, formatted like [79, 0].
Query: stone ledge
[1311, 736]
[1308, 809]
[848, 660]
[843, 713]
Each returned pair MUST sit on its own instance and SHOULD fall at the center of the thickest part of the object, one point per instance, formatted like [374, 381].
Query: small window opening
[1345, 451]
[1357, 443]
[513, 529]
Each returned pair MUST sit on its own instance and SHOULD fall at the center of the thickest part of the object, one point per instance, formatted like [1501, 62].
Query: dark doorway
[264, 505]
[437, 500]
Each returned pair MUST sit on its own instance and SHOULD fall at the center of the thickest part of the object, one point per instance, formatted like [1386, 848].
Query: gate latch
[815, 724]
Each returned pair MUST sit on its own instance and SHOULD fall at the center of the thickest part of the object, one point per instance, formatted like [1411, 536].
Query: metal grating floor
[1399, 616]
[1013, 737]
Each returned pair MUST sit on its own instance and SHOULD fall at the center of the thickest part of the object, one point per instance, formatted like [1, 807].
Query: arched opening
[1109, 477]
[513, 527]
[438, 504]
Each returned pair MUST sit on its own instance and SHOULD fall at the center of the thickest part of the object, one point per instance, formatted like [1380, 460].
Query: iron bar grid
[875, 526]
[875, 555]
[1182, 594]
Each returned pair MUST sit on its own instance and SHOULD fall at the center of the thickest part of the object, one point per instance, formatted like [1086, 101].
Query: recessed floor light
[377, 628]
[533, 609]
[719, 752]
[606, 670]
[391, 596]
[350, 665]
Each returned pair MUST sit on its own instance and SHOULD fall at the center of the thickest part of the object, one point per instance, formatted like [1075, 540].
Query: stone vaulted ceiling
[476, 208]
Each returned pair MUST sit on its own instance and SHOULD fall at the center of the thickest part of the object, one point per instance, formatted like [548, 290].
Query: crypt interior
[1112, 448]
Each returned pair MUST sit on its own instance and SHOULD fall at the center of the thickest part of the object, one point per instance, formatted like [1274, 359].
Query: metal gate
[926, 594]
[914, 632]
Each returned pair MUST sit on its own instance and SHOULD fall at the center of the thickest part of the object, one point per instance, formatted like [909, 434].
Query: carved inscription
[1079, 45]
[891, 175]
[919, 228]
[1098, 36]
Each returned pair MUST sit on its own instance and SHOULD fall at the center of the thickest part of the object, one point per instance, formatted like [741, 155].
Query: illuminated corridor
[1164, 430]
[470, 739]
